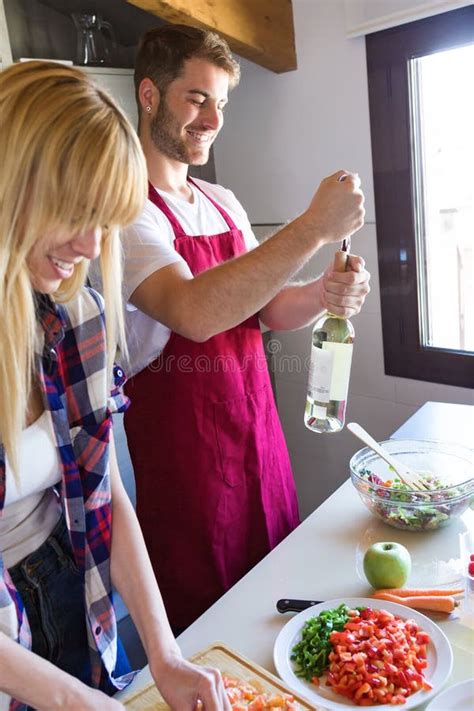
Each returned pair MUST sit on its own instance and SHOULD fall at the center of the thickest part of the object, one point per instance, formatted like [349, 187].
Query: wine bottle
[330, 367]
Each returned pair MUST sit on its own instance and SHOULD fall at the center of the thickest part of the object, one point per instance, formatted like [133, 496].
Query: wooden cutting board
[230, 663]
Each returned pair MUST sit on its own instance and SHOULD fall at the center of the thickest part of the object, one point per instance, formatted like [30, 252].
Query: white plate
[439, 655]
[459, 697]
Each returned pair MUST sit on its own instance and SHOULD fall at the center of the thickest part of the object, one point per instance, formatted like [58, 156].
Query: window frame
[388, 53]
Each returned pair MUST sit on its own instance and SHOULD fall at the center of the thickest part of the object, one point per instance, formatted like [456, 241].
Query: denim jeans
[52, 591]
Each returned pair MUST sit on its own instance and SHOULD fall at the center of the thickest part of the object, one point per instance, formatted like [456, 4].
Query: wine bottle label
[329, 372]
[341, 368]
[320, 374]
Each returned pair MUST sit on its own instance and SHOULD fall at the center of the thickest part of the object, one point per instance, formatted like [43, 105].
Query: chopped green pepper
[311, 654]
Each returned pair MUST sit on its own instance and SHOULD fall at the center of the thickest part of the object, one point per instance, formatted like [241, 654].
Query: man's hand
[343, 293]
[337, 209]
[183, 685]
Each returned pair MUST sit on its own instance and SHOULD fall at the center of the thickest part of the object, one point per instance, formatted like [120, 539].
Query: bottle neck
[331, 315]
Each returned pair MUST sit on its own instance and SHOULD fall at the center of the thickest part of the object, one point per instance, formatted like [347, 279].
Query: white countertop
[321, 560]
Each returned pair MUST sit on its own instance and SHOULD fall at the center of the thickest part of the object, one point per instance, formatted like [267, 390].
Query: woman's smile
[56, 256]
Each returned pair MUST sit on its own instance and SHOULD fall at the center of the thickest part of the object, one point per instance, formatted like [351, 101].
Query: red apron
[215, 492]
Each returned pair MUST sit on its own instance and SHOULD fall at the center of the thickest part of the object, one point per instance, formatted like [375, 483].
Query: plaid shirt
[72, 372]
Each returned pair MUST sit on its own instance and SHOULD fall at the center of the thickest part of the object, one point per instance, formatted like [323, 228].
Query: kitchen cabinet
[45, 28]
[5, 49]
[19, 35]
[119, 83]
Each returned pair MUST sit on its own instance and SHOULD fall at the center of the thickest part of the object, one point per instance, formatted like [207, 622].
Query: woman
[72, 174]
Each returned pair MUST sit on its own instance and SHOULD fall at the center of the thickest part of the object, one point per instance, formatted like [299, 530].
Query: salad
[400, 506]
[369, 656]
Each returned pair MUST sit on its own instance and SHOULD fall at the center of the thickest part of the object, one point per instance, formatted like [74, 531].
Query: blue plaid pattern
[72, 372]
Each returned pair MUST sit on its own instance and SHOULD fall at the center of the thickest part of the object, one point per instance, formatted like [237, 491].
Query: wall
[364, 16]
[297, 128]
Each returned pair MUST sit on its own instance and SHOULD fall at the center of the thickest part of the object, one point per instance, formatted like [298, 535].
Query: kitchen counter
[322, 559]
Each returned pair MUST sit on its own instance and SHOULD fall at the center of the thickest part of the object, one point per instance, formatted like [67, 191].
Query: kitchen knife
[285, 605]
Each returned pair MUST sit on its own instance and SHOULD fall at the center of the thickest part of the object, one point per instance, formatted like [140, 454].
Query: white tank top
[32, 509]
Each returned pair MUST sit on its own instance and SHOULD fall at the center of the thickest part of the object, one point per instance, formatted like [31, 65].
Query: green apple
[387, 565]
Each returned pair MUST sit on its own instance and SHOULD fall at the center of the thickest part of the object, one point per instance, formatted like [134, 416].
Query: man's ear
[149, 96]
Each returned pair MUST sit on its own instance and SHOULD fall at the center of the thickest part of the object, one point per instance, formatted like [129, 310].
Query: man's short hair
[163, 51]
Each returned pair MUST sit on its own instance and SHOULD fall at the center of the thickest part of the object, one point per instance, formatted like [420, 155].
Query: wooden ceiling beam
[259, 30]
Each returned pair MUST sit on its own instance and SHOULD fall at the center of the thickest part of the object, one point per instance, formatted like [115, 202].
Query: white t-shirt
[32, 510]
[148, 246]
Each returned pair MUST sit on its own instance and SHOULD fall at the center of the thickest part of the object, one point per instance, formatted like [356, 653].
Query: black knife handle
[295, 605]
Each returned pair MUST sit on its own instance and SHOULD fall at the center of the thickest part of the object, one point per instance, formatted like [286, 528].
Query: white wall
[364, 16]
[283, 134]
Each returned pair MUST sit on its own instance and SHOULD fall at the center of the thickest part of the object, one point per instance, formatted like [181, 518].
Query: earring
[148, 109]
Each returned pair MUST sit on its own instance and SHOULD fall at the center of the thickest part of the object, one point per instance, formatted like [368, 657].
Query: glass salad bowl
[448, 470]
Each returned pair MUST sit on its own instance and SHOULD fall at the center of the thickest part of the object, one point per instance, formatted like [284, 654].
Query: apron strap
[155, 197]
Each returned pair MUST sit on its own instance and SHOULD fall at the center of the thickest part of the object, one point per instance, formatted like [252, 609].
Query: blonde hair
[71, 161]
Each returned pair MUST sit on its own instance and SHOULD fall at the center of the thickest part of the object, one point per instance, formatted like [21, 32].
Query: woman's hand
[183, 685]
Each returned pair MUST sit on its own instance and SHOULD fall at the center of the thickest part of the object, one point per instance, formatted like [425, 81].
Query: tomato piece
[378, 658]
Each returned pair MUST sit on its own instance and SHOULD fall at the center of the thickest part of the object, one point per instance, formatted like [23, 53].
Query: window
[421, 93]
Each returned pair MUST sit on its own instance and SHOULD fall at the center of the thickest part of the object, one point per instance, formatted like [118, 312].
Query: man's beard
[163, 131]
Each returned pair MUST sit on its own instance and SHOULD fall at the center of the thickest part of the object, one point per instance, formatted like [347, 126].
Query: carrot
[415, 592]
[435, 603]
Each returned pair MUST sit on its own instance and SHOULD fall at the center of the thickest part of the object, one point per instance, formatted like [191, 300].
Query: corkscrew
[346, 242]
[341, 258]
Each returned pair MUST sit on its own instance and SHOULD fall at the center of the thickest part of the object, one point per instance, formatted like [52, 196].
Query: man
[214, 486]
